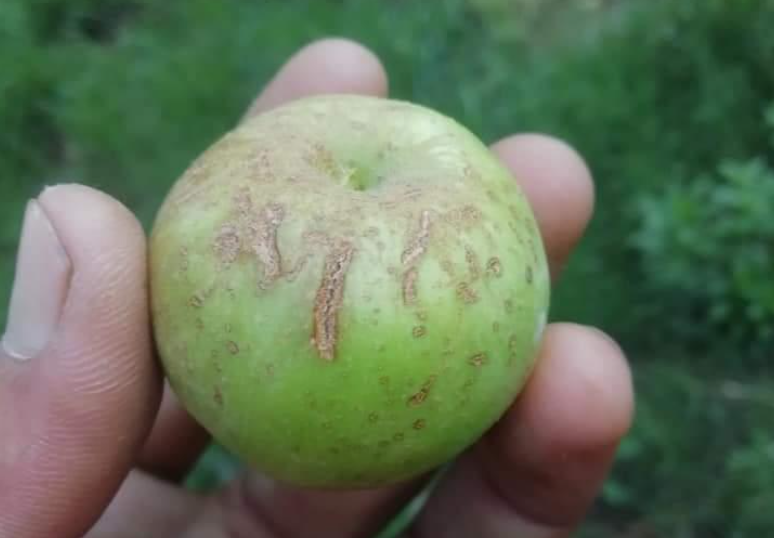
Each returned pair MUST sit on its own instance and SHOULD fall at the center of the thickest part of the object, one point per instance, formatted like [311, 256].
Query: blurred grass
[123, 94]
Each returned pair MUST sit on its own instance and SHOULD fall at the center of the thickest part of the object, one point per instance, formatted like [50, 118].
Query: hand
[90, 441]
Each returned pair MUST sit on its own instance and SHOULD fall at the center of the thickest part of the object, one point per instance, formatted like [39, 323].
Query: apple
[347, 291]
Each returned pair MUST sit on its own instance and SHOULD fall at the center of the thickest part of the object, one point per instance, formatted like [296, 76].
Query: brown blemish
[494, 267]
[196, 301]
[373, 417]
[384, 380]
[410, 286]
[412, 255]
[253, 232]
[183, 259]
[419, 397]
[464, 217]
[528, 274]
[419, 424]
[322, 159]
[422, 316]
[424, 392]
[408, 195]
[418, 243]
[227, 244]
[508, 303]
[329, 299]
[232, 346]
[472, 260]
[419, 331]
[217, 396]
[478, 360]
[466, 294]
[264, 242]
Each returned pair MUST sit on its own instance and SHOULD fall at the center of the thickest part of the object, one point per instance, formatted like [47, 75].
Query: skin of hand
[92, 443]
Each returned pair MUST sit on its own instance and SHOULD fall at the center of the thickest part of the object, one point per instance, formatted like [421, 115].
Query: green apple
[347, 291]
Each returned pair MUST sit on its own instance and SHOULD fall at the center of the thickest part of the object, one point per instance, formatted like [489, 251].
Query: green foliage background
[671, 103]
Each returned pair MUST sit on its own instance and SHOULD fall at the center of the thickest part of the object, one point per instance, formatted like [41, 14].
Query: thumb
[78, 384]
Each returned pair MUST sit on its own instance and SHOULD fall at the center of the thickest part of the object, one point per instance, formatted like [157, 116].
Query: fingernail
[40, 286]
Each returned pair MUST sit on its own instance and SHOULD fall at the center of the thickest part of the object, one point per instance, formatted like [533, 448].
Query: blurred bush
[660, 95]
[707, 245]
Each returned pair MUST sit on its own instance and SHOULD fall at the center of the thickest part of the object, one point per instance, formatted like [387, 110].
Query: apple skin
[347, 291]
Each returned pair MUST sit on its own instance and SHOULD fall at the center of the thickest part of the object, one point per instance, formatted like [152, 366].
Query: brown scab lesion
[183, 259]
[494, 266]
[217, 396]
[419, 424]
[264, 242]
[410, 286]
[254, 232]
[528, 274]
[197, 299]
[329, 298]
[320, 158]
[232, 347]
[227, 244]
[472, 261]
[466, 294]
[478, 360]
[464, 217]
[420, 396]
[419, 331]
[412, 255]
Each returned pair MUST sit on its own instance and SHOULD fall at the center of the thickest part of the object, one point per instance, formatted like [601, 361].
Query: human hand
[89, 445]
